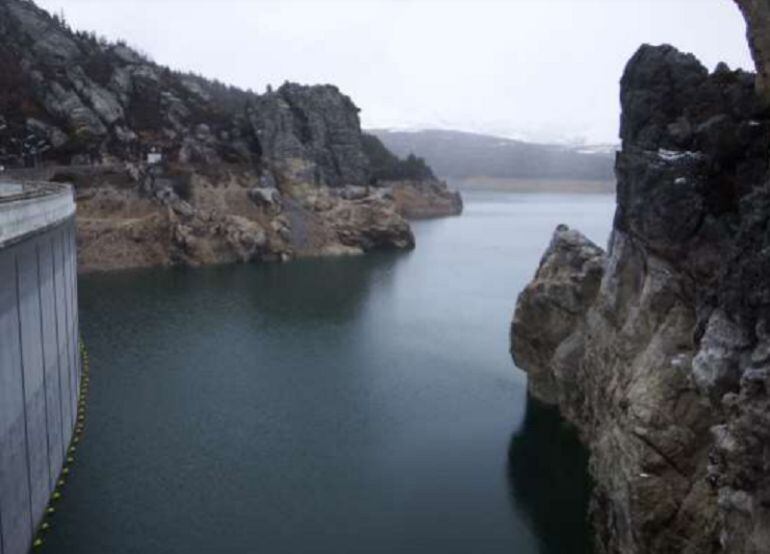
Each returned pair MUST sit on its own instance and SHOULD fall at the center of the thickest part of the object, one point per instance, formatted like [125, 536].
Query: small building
[154, 157]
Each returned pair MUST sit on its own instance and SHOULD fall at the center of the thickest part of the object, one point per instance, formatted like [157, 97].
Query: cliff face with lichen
[658, 349]
[241, 176]
[757, 15]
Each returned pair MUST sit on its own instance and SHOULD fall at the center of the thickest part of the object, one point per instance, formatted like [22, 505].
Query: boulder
[265, 197]
[354, 193]
[246, 237]
[370, 225]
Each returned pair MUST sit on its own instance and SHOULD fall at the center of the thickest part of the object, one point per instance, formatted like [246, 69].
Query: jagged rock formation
[757, 14]
[659, 350]
[312, 133]
[174, 168]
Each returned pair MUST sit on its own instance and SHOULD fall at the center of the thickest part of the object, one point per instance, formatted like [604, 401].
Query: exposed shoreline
[534, 185]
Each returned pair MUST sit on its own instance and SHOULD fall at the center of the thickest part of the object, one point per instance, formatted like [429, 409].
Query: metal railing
[30, 189]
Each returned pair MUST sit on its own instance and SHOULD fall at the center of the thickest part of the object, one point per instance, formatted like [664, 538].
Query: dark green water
[356, 405]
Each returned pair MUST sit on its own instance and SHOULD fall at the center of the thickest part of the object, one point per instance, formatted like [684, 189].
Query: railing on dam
[39, 355]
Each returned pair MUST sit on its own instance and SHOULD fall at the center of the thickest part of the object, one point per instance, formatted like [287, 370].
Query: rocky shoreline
[225, 218]
[425, 199]
[658, 349]
[171, 168]
[130, 216]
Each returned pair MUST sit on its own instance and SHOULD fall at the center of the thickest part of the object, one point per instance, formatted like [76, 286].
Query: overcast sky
[544, 70]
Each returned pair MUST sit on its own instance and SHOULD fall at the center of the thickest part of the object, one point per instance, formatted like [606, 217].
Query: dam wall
[39, 352]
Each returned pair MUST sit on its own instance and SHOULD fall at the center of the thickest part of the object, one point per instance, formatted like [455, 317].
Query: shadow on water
[327, 289]
[321, 289]
[549, 480]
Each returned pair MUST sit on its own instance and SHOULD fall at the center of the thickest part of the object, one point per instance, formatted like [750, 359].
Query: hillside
[69, 97]
[460, 155]
[173, 168]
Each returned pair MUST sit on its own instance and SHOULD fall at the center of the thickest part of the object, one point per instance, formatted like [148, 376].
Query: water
[357, 405]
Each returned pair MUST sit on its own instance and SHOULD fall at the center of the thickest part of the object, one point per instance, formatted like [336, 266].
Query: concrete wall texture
[39, 360]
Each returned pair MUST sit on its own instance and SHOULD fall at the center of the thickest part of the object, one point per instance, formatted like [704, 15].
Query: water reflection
[349, 405]
[322, 289]
[548, 477]
[333, 289]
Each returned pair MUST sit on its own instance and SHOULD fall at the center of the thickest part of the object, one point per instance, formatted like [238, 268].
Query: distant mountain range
[460, 155]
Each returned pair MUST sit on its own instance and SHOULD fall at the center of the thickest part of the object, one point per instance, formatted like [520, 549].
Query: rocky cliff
[658, 349]
[170, 167]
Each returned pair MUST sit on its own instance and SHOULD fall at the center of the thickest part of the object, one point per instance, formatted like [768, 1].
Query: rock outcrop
[199, 217]
[757, 15]
[425, 199]
[659, 349]
[312, 133]
[207, 173]
[416, 190]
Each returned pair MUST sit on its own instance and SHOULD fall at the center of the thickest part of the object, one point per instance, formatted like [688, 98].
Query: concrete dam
[40, 366]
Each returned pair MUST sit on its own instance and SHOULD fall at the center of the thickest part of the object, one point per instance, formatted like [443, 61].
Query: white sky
[544, 70]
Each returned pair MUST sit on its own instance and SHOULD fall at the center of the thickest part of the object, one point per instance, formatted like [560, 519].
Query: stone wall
[39, 354]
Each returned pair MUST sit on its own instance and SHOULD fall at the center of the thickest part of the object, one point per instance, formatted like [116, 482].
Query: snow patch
[676, 155]
[596, 149]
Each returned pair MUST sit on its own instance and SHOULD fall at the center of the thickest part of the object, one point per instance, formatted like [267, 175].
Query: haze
[542, 70]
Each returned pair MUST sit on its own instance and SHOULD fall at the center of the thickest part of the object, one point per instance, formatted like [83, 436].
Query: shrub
[386, 166]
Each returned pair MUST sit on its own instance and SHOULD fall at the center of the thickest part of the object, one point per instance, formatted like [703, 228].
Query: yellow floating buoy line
[85, 380]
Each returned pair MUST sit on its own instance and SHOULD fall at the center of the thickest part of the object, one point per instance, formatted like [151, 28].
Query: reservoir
[364, 404]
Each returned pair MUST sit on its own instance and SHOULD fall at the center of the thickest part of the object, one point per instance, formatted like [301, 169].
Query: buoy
[77, 433]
